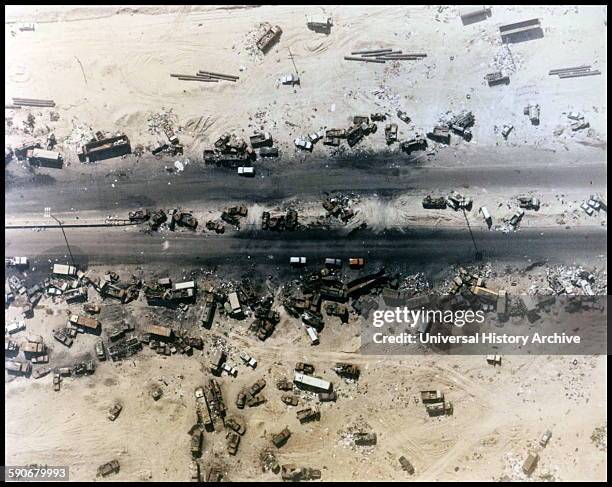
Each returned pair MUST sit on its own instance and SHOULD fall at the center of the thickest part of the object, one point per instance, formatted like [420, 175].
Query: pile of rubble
[459, 123]
[576, 280]
[163, 123]
[229, 150]
[358, 438]
[304, 299]
[361, 127]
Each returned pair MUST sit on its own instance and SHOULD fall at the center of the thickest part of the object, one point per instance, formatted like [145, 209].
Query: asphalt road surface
[149, 185]
[413, 249]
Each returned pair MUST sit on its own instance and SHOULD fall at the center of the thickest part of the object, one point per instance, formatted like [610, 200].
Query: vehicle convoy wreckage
[254, 243]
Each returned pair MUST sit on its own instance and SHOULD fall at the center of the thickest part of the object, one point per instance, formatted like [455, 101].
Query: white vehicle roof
[318, 19]
[184, 285]
[45, 154]
[310, 381]
[64, 269]
[312, 333]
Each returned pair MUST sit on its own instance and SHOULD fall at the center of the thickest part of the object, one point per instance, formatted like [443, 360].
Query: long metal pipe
[366, 60]
[372, 51]
[221, 75]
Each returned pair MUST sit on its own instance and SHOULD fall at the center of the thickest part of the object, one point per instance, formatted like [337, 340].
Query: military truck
[533, 112]
[157, 219]
[432, 396]
[270, 37]
[33, 347]
[14, 327]
[529, 202]
[241, 400]
[233, 440]
[114, 411]
[530, 463]
[289, 399]
[328, 396]
[108, 468]
[196, 443]
[268, 152]
[440, 133]
[263, 139]
[16, 261]
[313, 319]
[85, 322]
[516, 218]
[434, 203]
[319, 23]
[440, 408]
[140, 215]
[403, 116]
[458, 201]
[545, 438]
[281, 438]
[62, 337]
[338, 310]
[497, 78]
[257, 387]
[185, 219]
[349, 371]
[215, 226]
[365, 439]
[506, 130]
[291, 472]
[84, 368]
[308, 414]
[18, 368]
[255, 401]
[235, 425]
[391, 133]
[415, 144]
[283, 384]
[406, 465]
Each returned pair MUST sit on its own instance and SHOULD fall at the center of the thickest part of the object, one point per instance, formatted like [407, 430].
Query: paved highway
[410, 249]
[148, 185]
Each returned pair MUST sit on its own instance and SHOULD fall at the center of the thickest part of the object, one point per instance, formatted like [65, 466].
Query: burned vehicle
[139, 216]
[415, 144]
[434, 203]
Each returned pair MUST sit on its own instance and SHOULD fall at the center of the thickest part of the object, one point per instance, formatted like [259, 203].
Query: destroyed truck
[529, 202]
[281, 438]
[293, 473]
[16, 261]
[319, 23]
[433, 203]
[415, 144]
[108, 468]
[533, 111]
[261, 140]
[349, 371]
[85, 322]
[18, 368]
[270, 37]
